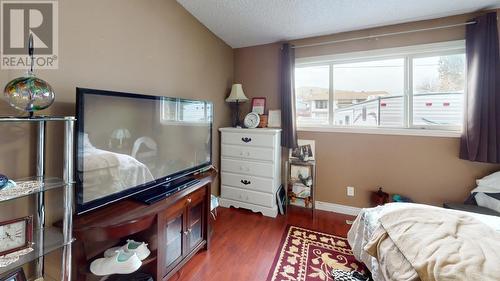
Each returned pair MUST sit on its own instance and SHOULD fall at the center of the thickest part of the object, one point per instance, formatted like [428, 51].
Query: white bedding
[368, 221]
[104, 172]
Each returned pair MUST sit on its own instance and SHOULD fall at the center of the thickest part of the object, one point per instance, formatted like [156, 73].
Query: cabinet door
[195, 219]
[173, 239]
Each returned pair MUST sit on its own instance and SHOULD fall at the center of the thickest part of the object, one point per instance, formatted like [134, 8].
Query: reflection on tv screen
[126, 142]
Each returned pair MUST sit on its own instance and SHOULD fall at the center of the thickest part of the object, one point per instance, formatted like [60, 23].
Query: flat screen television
[131, 143]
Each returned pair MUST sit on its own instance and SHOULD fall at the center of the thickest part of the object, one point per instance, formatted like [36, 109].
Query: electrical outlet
[350, 191]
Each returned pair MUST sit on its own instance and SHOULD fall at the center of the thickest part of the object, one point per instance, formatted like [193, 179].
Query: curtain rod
[383, 35]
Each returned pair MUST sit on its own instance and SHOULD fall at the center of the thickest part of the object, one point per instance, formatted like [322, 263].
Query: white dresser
[250, 169]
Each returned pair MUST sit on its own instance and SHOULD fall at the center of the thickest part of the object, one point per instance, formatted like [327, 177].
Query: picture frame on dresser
[274, 119]
[259, 105]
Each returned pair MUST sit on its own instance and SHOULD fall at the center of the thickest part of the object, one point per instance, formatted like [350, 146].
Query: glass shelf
[52, 237]
[41, 279]
[45, 278]
[47, 184]
[53, 240]
[300, 162]
[36, 118]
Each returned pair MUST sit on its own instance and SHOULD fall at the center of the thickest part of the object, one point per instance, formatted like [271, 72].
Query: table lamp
[237, 96]
[120, 135]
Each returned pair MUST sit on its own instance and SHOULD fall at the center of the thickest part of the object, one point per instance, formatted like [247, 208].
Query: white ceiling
[242, 23]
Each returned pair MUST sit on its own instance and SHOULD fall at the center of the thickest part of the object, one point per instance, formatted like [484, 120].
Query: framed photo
[17, 275]
[274, 119]
[299, 171]
[259, 105]
[304, 152]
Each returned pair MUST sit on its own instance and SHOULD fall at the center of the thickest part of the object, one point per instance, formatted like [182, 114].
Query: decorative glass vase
[29, 93]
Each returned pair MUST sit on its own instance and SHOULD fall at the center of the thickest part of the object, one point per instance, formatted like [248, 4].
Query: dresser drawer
[248, 139]
[247, 168]
[240, 151]
[248, 196]
[248, 182]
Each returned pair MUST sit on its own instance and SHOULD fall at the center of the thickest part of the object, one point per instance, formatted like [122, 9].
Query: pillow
[86, 142]
[487, 201]
[492, 182]
[485, 189]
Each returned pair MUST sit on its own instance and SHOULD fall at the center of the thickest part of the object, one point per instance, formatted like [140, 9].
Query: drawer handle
[245, 182]
[245, 153]
[189, 200]
[246, 139]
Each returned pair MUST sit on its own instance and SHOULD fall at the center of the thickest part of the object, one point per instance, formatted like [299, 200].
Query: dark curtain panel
[481, 138]
[287, 92]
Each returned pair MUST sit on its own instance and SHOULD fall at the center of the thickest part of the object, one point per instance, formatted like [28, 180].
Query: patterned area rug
[307, 255]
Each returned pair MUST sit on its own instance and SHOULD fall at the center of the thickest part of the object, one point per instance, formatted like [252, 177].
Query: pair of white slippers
[121, 260]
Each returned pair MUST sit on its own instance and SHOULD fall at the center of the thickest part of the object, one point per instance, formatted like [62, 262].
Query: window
[438, 90]
[174, 111]
[411, 87]
[312, 86]
[366, 91]
[321, 104]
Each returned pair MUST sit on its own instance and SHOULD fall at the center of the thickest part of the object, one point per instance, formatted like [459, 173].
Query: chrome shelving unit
[47, 239]
[289, 182]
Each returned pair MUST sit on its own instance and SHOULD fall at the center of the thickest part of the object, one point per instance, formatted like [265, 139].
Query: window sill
[385, 131]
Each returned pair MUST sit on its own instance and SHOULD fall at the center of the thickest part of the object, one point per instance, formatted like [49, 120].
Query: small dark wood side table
[175, 228]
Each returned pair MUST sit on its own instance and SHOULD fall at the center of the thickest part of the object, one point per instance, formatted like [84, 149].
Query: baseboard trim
[337, 208]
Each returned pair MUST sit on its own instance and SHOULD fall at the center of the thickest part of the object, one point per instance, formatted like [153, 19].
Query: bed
[104, 172]
[411, 242]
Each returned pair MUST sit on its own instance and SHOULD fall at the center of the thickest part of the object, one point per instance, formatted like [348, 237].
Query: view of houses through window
[410, 91]
[174, 110]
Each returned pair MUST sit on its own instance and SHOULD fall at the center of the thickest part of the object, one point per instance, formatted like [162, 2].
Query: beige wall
[149, 46]
[153, 47]
[426, 169]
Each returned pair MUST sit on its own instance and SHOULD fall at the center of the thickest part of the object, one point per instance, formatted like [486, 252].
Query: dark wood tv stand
[175, 228]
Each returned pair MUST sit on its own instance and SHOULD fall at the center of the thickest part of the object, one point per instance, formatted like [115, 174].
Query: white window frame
[407, 53]
[165, 120]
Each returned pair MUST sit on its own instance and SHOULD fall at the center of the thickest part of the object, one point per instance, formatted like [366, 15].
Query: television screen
[128, 143]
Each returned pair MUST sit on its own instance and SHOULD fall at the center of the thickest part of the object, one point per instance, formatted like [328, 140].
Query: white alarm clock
[252, 120]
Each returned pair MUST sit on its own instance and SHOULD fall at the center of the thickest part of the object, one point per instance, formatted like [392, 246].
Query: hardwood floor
[244, 244]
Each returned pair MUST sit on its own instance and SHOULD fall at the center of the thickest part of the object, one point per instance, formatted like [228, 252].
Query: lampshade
[120, 134]
[237, 94]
